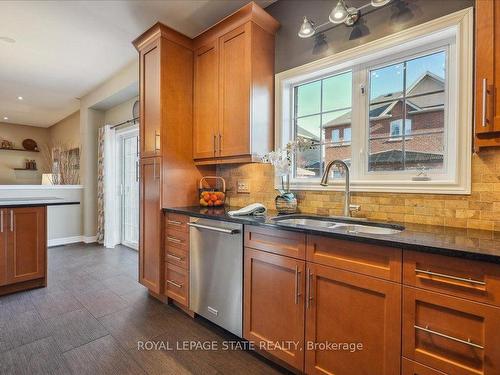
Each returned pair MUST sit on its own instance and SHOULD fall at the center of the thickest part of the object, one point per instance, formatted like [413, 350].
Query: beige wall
[16, 159]
[67, 131]
[120, 113]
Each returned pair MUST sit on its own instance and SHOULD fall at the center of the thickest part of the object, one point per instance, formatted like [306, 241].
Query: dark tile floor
[93, 313]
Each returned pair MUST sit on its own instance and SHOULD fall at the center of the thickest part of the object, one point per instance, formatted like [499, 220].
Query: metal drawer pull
[173, 239]
[215, 229]
[174, 222]
[466, 342]
[485, 90]
[469, 280]
[1, 221]
[174, 284]
[157, 136]
[11, 220]
[309, 297]
[175, 257]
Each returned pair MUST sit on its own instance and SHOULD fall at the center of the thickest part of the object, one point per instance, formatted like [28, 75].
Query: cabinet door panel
[3, 248]
[413, 368]
[346, 307]
[150, 122]
[235, 71]
[150, 244]
[206, 102]
[274, 304]
[450, 334]
[26, 243]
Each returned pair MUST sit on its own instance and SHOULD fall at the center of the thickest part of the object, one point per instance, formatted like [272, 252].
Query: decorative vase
[286, 203]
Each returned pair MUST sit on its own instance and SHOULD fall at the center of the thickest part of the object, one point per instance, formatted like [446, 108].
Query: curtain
[111, 196]
[100, 186]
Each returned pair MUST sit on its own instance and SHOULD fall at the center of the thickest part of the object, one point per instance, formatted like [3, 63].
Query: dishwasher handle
[215, 229]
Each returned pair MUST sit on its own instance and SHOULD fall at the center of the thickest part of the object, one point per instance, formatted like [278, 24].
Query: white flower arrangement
[282, 158]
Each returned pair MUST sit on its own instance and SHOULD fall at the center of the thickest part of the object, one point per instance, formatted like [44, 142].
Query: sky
[337, 90]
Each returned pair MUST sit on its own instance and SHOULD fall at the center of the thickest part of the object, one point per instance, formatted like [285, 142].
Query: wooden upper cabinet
[206, 101]
[487, 80]
[346, 307]
[150, 237]
[234, 117]
[274, 305]
[25, 232]
[150, 109]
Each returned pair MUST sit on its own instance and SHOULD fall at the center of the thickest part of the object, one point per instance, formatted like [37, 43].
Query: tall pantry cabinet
[168, 176]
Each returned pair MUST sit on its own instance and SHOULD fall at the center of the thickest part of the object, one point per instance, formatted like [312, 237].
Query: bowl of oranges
[212, 196]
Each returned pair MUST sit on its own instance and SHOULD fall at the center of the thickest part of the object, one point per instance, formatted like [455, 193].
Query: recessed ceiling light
[6, 39]
[20, 98]
[5, 118]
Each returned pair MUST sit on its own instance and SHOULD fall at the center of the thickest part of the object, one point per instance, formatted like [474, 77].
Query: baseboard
[64, 241]
[89, 239]
[68, 240]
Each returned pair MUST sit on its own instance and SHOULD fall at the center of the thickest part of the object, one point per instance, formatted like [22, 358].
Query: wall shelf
[19, 149]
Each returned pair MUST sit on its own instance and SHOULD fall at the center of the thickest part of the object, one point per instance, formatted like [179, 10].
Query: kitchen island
[23, 242]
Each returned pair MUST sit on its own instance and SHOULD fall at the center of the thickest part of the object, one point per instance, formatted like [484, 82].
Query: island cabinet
[234, 88]
[23, 248]
[487, 79]
[327, 319]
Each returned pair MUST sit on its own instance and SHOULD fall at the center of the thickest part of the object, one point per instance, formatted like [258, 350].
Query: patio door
[130, 189]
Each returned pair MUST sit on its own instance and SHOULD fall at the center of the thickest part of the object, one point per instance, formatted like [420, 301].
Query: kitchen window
[397, 111]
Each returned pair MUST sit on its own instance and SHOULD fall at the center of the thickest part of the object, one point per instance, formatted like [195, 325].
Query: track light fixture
[341, 13]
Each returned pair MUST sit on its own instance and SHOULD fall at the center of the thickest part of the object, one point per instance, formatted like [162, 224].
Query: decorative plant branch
[62, 162]
[282, 159]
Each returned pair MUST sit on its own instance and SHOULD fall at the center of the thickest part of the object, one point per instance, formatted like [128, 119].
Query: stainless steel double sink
[342, 224]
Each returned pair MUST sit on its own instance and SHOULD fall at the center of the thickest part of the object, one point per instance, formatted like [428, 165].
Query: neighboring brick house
[422, 143]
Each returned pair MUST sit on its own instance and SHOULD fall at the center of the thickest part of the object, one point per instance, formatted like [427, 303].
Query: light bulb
[379, 3]
[306, 29]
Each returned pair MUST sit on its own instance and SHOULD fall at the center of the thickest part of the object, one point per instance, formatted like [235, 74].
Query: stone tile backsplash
[479, 210]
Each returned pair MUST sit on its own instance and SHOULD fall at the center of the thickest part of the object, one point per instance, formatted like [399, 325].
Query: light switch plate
[243, 186]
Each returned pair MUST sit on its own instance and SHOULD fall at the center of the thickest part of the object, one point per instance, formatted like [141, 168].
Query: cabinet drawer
[371, 260]
[292, 244]
[478, 281]
[177, 221]
[176, 256]
[176, 238]
[177, 284]
[450, 334]
[414, 368]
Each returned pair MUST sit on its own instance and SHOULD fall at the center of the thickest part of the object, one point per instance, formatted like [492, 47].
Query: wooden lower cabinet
[274, 305]
[151, 260]
[362, 312]
[450, 334]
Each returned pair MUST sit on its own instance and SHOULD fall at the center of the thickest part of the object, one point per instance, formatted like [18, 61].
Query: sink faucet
[348, 208]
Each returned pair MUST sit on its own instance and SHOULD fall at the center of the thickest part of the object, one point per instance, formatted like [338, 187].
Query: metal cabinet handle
[157, 135]
[220, 144]
[469, 280]
[297, 293]
[175, 257]
[215, 229]
[173, 239]
[174, 284]
[174, 222]
[1, 221]
[215, 145]
[309, 297]
[155, 175]
[484, 107]
[432, 332]
[12, 220]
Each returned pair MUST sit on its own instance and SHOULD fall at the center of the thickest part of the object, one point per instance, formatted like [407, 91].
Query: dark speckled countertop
[466, 243]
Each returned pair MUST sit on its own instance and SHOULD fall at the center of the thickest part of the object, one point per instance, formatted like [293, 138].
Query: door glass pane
[130, 204]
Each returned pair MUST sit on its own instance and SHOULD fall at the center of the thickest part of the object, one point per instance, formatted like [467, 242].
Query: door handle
[157, 136]
[220, 144]
[137, 171]
[215, 145]
[308, 288]
[484, 106]
[297, 285]
[215, 229]
[1, 221]
[12, 220]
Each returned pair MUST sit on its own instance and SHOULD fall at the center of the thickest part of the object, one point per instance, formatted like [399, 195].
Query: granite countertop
[466, 243]
[36, 201]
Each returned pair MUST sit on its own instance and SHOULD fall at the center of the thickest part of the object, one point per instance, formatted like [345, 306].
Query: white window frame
[423, 39]
[399, 122]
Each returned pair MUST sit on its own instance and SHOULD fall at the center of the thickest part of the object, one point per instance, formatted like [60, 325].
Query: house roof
[382, 105]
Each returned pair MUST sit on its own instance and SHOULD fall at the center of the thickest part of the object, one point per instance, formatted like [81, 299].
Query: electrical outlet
[243, 186]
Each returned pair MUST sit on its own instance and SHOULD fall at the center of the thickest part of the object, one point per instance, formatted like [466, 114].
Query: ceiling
[64, 49]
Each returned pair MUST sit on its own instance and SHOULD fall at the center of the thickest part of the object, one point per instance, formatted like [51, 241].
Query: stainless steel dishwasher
[216, 272]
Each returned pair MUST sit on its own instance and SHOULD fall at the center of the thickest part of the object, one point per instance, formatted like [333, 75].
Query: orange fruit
[218, 203]
[213, 197]
[210, 203]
